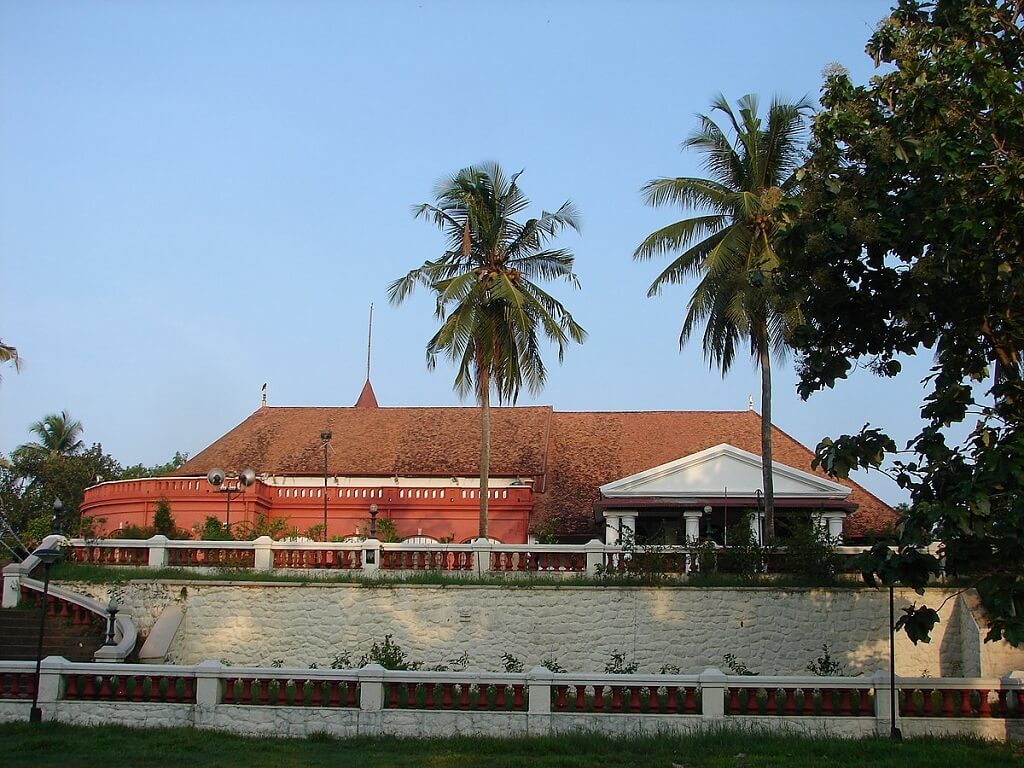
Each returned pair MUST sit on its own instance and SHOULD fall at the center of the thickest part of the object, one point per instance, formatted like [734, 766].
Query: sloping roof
[380, 442]
[366, 398]
[570, 455]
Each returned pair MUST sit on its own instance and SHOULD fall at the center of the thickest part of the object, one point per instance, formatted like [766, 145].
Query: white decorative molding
[722, 470]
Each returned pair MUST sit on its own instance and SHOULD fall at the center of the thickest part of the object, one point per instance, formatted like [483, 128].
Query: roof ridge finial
[263, 400]
[750, 402]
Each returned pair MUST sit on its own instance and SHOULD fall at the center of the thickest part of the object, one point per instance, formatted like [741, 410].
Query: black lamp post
[373, 521]
[325, 437]
[243, 480]
[112, 608]
[894, 731]
[58, 508]
[48, 557]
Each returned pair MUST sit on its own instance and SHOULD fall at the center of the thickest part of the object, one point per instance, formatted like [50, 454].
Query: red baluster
[789, 707]
[983, 706]
[634, 698]
[965, 703]
[672, 702]
[263, 691]
[392, 695]
[410, 694]
[653, 702]
[947, 703]
[121, 693]
[560, 694]
[598, 698]
[429, 703]
[581, 692]
[1001, 710]
[104, 693]
[734, 701]
[771, 705]
[464, 696]
[70, 686]
[690, 705]
[518, 698]
[808, 701]
[481, 697]
[189, 693]
[616, 698]
[353, 693]
[844, 702]
[752, 708]
[316, 694]
[927, 694]
[499, 699]
[446, 695]
[229, 691]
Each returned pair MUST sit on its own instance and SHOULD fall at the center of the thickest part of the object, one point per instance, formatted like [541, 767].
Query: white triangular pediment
[723, 470]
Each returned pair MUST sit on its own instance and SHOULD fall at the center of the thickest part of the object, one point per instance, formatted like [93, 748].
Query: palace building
[571, 476]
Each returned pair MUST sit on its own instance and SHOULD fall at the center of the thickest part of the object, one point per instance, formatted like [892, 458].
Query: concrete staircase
[19, 633]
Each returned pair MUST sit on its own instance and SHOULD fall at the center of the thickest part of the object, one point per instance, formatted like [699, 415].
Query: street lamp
[58, 508]
[325, 438]
[373, 521]
[48, 557]
[112, 608]
[219, 481]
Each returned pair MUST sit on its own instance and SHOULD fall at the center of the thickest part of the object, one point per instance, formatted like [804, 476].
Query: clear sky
[200, 197]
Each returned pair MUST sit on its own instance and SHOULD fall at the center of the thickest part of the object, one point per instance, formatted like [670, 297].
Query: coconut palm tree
[9, 354]
[59, 435]
[733, 248]
[493, 314]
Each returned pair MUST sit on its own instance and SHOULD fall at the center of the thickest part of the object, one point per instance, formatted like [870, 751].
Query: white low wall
[771, 630]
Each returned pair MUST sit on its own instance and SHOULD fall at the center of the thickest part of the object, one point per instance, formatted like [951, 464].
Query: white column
[263, 554]
[481, 556]
[712, 694]
[371, 688]
[12, 585]
[692, 518]
[835, 524]
[755, 526]
[371, 556]
[628, 523]
[208, 684]
[595, 556]
[612, 523]
[50, 681]
[158, 551]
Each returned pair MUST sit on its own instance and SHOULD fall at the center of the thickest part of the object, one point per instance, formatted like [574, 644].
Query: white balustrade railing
[371, 699]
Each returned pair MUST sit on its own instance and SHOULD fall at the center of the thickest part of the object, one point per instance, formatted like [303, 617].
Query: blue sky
[200, 197]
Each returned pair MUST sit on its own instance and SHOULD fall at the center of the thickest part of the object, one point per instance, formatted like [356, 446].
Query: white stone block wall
[773, 631]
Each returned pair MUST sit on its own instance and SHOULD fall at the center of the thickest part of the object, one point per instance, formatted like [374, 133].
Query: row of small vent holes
[378, 493]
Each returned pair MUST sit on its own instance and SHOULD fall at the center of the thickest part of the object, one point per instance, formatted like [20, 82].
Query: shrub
[737, 667]
[342, 660]
[163, 520]
[132, 532]
[212, 529]
[261, 525]
[811, 553]
[825, 665]
[511, 663]
[618, 665]
[551, 663]
[744, 556]
[389, 655]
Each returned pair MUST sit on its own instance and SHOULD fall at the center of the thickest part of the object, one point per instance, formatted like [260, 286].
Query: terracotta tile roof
[366, 398]
[592, 448]
[569, 455]
[380, 441]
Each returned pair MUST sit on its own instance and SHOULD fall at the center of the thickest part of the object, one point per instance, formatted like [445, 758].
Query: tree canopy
[747, 203]
[912, 241]
[494, 314]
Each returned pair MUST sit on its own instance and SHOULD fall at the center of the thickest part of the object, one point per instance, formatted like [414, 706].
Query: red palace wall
[436, 512]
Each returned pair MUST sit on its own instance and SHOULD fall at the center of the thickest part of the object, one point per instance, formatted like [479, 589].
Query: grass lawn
[67, 746]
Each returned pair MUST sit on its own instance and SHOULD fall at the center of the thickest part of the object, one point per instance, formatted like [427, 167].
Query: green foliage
[389, 655]
[825, 665]
[212, 529]
[342, 660]
[811, 553]
[261, 525]
[136, 471]
[737, 667]
[911, 237]
[743, 557]
[37, 529]
[551, 663]
[747, 204]
[163, 520]
[668, 669]
[618, 665]
[315, 532]
[387, 531]
[131, 532]
[510, 663]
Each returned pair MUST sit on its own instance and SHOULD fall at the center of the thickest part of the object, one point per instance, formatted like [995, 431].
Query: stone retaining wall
[772, 631]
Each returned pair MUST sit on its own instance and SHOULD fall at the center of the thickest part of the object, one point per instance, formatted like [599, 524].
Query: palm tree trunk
[485, 447]
[766, 443]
